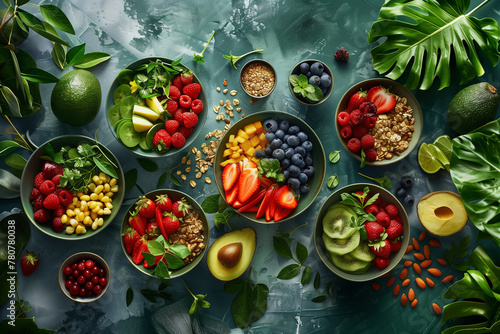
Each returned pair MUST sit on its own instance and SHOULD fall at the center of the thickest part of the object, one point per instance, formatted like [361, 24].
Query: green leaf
[161, 180]
[293, 79]
[155, 248]
[15, 161]
[57, 18]
[174, 180]
[461, 266]
[281, 247]
[174, 262]
[105, 167]
[162, 270]
[258, 305]
[363, 159]
[241, 306]
[289, 271]
[234, 286]
[332, 181]
[424, 35]
[59, 55]
[149, 258]
[130, 296]
[180, 250]
[29, 98]
[12, 101]
[334, 156]
[10, 185]
[302, 81]
[130, 179]
[383, 181]
[306, 275]
[92, 59]
[149, 295]
[319, 299]
[40, 28]
[301, 253]
[39, 76]
[75, 54]
[7, 146]
[317, 281]
[211, 204]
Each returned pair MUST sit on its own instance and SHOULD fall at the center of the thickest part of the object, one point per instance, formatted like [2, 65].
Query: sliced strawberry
[271, 207]
[138, 223]
[140, 247]
[382, 98]
[265, 182]
[280, 213]
[230, 175]
[253, 201]
[247, 164]
[285, 198]
[265, 202]
[231, 195]
[248, 184]
[159, 220]
[157, 259]
[130, 237]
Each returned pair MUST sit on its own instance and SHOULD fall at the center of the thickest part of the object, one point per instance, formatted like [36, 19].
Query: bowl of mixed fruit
[362, 232]
[311, 82]
[72, 187]
[379, 121]
[269, 166]
[165, 233]
[156, 107]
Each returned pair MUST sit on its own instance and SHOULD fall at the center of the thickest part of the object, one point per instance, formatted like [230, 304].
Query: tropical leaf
[427, 36]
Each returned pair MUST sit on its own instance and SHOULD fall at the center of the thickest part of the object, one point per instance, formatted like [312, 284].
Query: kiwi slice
[127, 106]
[349, 264]
[142, 143]
[121, 92]
[114, 114]
[362, 252]
[128, 135]
[342, 246]
[337, 222]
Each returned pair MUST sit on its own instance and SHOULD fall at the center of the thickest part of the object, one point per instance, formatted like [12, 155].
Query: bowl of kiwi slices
[361, 232]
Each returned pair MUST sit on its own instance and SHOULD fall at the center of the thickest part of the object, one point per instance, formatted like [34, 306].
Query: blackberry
[341, 55]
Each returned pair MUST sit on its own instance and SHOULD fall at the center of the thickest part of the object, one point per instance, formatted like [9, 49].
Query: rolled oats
[190, 234]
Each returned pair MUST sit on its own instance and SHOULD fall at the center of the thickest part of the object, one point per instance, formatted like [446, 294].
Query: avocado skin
[472, 107]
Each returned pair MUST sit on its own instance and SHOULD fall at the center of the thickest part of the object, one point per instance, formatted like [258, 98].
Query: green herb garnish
[172, 253]
[358, 203]
[153, 79]
[233, 59]
[222, 212]
[334, 156]
[270, 168]
[301, 86]
[383, 181]
[199, 57]
[332, 181]
[198, 301]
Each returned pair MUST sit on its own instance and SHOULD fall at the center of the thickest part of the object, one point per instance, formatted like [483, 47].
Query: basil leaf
[161, 180]
[240, 307]
[179, 250]
[175, 180]
[317, 281]
[306, 275]
[162, 270]
[105, 167]
[289, 271]
[334, 156]
[301, 252]
[332, 181]
[92, 59]
[173, 261]
[149, 295]
[281, 247]
[234, 286]
[10, 185]
[130, 179]
[155, 248]
[293, 79]
[319, 299]
[211, 204]
[149, 258]
[57, 18]
[15, 161]
[75, 54]
[130, 296]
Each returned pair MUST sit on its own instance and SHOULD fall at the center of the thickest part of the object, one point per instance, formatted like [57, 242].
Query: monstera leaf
[426, 35]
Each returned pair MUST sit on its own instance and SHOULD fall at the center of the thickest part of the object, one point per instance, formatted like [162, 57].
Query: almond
[416, 244]
[434, 271]
[376, 286]
[395, 291]
[447, 279]
[403, 274]
[406, 282]
[417, 269]
[429, 282]
[409, 249]
[419, 256]
[408, 263]
[422, 236]
[426, 263]
[411, 294]
[442, 261]
[391, 281]
[414, 303]
[435, 243]
[436, 308]
[420, 283]
[404, 299]
[427, 252]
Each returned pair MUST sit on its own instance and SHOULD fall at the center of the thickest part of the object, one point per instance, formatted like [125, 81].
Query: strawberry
[57, 225]
[159, 219]
[138, 223]
[157, 260]
[65, 197]
[47, 187]
[140, 247]
[145, 207]
[187, 77]
[153, 229]
[51, 202]
[39, 178]
[171, 126]
[180, 208]
[248, 184]
[190, 119]
[381, 248]
[265, 201]
[197, 106]
[271, 208]
[51, 169]
[394, 230]
[174, 92]
[285, 198]
[186, 132]
[395, 245]
[170, 223]
[281, 213]
[373, 230]
[164, 203]
[29, 263]
[178, 140]
[382, 98]
[383, 218]
[381, 262]
[162, 140]
[42, 216]
[372, 208]
[232, 194]
[193, 90]
[177, 82]
[230, 175]
[391, 210]
[355, 100]
[130, 237]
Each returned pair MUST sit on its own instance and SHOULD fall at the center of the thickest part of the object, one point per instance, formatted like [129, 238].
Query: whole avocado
[473, 107]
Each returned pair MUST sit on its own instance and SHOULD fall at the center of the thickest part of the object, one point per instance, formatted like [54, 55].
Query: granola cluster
[190, 234]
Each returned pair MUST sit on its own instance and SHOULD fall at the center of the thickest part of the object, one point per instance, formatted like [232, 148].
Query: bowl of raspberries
[379, 121]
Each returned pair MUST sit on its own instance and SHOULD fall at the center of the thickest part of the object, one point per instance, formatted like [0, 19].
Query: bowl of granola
[379, 121]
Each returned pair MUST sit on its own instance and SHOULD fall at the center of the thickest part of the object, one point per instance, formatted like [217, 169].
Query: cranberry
[81, 279]
[71, 278]
[83, 292]
[74, 266]
[81, 266]
[67, 270]
[87, 273]
[68, 284]
[97, 289]
[103, 281]
[95, 270]
[95, 279]
[76, 272]
[89, 285]
[101, 272]
[90, 293]
[74, 290]
[89, 264]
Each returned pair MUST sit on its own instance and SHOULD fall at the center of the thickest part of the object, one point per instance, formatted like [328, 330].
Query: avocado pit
[230, 254]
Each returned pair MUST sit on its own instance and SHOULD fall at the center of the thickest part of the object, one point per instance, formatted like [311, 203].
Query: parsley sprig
[358, 203]
[153, 79]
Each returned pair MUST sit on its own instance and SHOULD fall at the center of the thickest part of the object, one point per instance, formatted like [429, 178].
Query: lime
[428, 162]
[445, 144]
[114, 114]
[76, 98]
[127, 106]
[10, 25]
[438, 154]
[128, 135]
[120, 92]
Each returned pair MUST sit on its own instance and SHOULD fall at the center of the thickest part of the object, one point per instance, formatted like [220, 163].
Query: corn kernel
[100, 212]
[98, 189]
[83, 205]
[94, 196]
[92, 187]
[100, 196]
[109, 194]
[80, 217]
[77, 211]
[93, 215]
[92, 204]
[109, 205]
[87, 213]
[100, 221]
[79, 194]
[75, 200]
[113, 182]
[107, 187]
[64, 219]
[114, 188]
[71, 206]
[70, 213]
[87, 220]
[85, 198]
[80, 229]
[105, 199]
[95, 225]
[96, 209]
[106, 211]
[70, 230]
[96, 179]
[73, 222]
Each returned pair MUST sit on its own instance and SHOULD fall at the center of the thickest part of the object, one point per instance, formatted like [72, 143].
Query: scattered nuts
[192, 183]
[188, 169]
[218, 89]
[236, 102]
[216, 109]
[183, 177]
[221, 102]
[208, 180]
[225, 91]
[233, 93]
[224, 82]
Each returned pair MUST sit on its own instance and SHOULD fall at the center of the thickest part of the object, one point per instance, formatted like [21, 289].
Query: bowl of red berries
[156, 107]
[361, 232]
[84, 277]
[379, 121]
[165, 233]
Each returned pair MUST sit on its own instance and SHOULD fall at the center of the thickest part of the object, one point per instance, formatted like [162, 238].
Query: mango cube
[254, 141]
[249, 129]
[242, 134]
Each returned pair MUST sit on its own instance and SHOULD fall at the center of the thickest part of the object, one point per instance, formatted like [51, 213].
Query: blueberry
[276, 143]
[406, 182]
[284, 125]
[308, 74]
[297, 159]
[285, 137]
[317, 68]
[325, 80]
[314, 80]
[293, 183]
[293, 130]
[293, 141]
[401, 192]
[297, 193]
[285, 163]
[324, 90]
[409, 200]
[307, 145]
[279, 154]
[270, 136]
[286, 173]
[300, 150]
[268, 151]
[304, 188]
[280, 133]
[309, 171]
[294, 171]
[284, 146]
[308, 159]
[289, 152]
[303, 178]
[304, 68]
[270, 125]
[302, 136]
[259, 154]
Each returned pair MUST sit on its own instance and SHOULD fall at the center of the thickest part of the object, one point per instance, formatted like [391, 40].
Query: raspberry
[370, 122]
[57, 225]
[186, 132]
[367, 142]
[59, 211]
[51, 202]
[368, 108]
[177, 82]
[370, 154]
[383, 219]
[172, 106]
[174, 92]
[187, 78]
[356, 117]
[56, 179]
[372, 208]
[47, 187]
[354, 145]
[193, 90]
[392, 210]
[341, 55]
[190, 119]
[34, 194]
[37, 203]
[197, 106]
[346, 132]
[185, 101]
[65, 197]
[343, 118]
[171, 126]
[42, 216]
[39, 178]
[178, 140]
[178, 116]
[359, 131]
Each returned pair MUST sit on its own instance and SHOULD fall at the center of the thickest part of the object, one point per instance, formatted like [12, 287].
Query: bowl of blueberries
[311, 82]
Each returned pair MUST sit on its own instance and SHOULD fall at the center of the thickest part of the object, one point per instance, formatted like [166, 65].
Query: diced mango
[246, 145]
[258, 147]
[243, 134]
[240, 139]
[235, 155]
[235, 148]
[249, 129]
[258, 127]
[250, 151]
[262, 136]
[254, 141]
[227, 152]
[231, 138]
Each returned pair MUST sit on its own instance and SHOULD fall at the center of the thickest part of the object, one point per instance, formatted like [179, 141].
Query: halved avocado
[248, 239]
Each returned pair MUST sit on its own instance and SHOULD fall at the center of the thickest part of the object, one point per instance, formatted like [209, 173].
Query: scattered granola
[258, 79]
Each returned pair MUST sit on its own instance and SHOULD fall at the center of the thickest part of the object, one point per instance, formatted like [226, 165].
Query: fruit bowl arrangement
[72, 187]
[165, 233]
[362, 232]
[379, 121]
[84, 277]
[156, 107]
[270, 166]
[311, 82]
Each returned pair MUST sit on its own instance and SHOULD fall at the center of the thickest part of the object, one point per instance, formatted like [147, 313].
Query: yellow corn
[87, 220]
[110, 194]
[87, 213]
[100, 221]
[100, 212]
[93, 215]
[70, 229]
[94, 196]
[98, 189]
[109, 205]
[106, 211]
[92, 205]
[100, 196]
[83, 205]
[73, 222]
[85, 198]
[77, 211]
[97, 180]
[64, 219]
[114, 188]
[92, 187]
[71, 206]
[107, 187]
[95, 225]
[75, 200]
[70, 213]
[105, 199]
[96, 209]
[113, 182]
[80, 217]
[80, 229]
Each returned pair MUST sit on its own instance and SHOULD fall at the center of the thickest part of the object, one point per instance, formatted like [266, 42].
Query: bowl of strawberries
[379, 121]
[156, 107]
[361, 232]
[165, 233]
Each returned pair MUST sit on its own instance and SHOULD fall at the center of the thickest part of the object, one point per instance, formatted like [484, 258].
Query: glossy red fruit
[138, 223]
[285, 198]
[230, 175]
[355, 100]
[382, 98]
[29, 263]
[248, 184]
